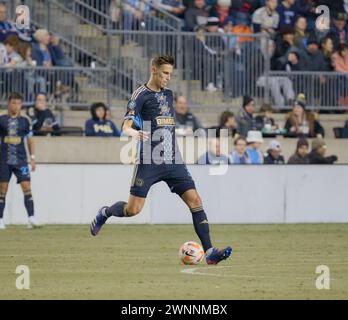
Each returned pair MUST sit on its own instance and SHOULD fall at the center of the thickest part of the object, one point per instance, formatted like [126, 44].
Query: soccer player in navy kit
[158, 158]
[14, 131]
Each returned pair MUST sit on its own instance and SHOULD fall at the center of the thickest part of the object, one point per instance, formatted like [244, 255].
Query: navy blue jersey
[13, 133]
[151, 110]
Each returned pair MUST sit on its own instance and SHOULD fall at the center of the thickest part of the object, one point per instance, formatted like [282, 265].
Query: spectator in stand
[303, 123]
[228, 121]
[174, 7]
[255, 141]
[339, 30]
[12, 57]
[47, 51]
[43, 120]
[98, 126]
[301, 154]
[6, 27]
[264, 121]
[317, 155]
[213, 155]
[222, 10]
[327, 49]
[239, 154]
[287, 13]
[274, 153]
[340, 58]
[245, 118]
[266, 19]
[284, 41]
[186, 123]
[301, 34]
[290, 62]
[312, 59]
[306, 8]
[196, 15]
[33, 82]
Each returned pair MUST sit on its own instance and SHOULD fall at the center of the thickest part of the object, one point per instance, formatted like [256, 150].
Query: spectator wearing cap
[195, 15]
[255, 141]
[301, 154]
[287, 13]
[239, 154]
[266, 19]
[274, 153]
[222, 10]
[245, 117]
[312, 59]
[302, 122]
[98, 126]
[339, 29]
[317, 155]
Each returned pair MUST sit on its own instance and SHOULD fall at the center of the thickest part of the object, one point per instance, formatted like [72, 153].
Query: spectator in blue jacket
[98, 126]
[47, 51]
[274, 153]
[255, 141]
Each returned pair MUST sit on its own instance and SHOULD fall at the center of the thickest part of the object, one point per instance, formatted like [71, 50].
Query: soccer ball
[191, 253]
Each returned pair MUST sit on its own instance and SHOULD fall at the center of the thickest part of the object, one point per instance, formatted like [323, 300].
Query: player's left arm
[31, 148]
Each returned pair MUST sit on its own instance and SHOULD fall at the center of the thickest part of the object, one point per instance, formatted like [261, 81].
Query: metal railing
[64, 86]
[323, 90]
[210, 68]
[118, 14]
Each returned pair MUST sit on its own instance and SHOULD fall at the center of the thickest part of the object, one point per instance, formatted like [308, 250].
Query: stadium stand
[105, 47]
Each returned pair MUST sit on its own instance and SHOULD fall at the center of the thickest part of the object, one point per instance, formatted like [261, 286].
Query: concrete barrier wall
[71, 194]
[107, 150]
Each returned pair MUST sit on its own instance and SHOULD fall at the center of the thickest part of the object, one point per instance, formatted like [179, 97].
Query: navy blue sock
[29, 203]
[201, 225]
[118, 210]
[2, 204]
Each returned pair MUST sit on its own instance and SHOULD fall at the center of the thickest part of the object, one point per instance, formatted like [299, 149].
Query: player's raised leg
[120, 209]
[201, 225]
[3, 192]
[29, 204]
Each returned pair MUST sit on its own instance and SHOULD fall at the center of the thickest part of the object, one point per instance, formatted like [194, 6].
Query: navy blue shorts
[176, 176]
[22, 172]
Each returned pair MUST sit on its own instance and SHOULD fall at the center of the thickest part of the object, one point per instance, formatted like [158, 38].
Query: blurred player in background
[15, 130]
[158, 158]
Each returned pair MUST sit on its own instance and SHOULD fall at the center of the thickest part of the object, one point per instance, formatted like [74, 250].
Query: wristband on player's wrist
[32, 157]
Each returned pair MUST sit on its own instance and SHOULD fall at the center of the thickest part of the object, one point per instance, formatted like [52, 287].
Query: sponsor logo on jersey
[165, 121]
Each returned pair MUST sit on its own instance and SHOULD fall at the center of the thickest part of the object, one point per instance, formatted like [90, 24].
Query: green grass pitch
[141, 262]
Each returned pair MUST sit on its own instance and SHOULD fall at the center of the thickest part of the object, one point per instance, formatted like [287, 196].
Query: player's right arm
[128, 129]
[132, 125]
